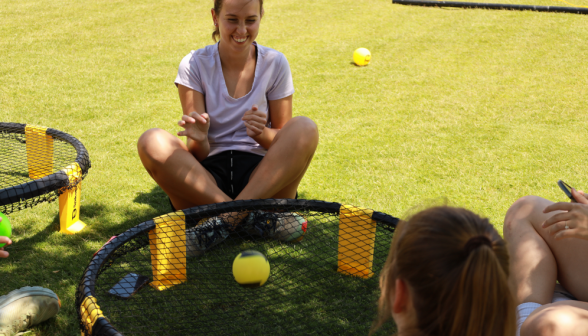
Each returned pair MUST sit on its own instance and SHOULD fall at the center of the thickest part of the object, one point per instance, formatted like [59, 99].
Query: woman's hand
[573, 222]
[581, 193]
[7, 241]
[195, 126]
[255, 121]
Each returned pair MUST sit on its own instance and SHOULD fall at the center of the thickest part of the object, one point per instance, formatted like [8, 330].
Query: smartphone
[566, 188]
[129, 285]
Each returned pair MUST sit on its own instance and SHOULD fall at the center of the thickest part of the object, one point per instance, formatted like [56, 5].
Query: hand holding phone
[129, 285]
[571, 221]
[567, 189]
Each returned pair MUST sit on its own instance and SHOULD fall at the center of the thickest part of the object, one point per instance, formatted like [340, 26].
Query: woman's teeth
[240, 39]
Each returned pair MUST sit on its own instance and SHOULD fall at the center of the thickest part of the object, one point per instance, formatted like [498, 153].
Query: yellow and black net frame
[326, 283]
[40, 164]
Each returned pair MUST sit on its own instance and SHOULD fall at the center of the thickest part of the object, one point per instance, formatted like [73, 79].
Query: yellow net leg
[167, 243]
[39, 151]
[69, 203]
[91, 314]
[357, 236]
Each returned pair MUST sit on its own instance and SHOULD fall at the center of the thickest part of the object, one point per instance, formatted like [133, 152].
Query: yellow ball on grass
[251, 269]
[362, 56]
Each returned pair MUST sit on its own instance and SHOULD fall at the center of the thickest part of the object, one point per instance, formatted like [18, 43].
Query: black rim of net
[124, 243]
[18, 197]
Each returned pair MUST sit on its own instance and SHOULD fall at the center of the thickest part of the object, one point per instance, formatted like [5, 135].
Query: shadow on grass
[156, 198]
[57, 261]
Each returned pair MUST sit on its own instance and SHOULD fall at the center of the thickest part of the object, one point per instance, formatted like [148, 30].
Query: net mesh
[37, 164]
[323, 280]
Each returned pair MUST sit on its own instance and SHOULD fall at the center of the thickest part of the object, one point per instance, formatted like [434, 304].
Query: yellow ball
[362, 56]
[251, 269]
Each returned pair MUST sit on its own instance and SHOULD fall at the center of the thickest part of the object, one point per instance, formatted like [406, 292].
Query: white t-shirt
[201, 70]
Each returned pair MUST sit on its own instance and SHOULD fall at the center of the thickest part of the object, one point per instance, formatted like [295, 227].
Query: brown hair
[456, 265]
[218, 5]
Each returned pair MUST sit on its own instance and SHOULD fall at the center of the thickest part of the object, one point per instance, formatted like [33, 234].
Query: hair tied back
[476, 242]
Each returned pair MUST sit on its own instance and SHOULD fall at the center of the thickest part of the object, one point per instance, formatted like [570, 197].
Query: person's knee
[555, 320]
[152, 143]
[308, 129]
[517, 210]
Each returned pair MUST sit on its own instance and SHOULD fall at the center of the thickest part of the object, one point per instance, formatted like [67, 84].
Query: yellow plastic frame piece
[69, 202]
[90, 311]
[167, 243]
[357, 236]
[39, 147]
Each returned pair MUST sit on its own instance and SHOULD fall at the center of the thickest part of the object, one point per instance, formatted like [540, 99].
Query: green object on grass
[5, 228]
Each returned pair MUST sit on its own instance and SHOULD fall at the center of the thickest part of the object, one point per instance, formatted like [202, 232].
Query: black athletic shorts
[231, 170]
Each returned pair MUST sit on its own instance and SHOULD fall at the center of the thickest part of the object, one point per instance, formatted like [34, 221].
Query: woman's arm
[280, 112]
[195, 122]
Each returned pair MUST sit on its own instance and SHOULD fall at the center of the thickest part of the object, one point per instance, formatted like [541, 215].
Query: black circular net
[37, 165]
[324, 282]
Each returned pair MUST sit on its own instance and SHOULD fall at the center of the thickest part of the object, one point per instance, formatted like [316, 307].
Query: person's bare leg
[533, 269]
[281, 170]
[177, 171]
[571, 256]
[537, 259]
[564, 318]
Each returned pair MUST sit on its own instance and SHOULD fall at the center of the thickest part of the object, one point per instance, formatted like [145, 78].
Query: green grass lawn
[476, 106]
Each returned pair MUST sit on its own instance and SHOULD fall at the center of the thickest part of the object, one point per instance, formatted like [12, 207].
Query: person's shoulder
[270, 55]
[208, 51]
[205, 54]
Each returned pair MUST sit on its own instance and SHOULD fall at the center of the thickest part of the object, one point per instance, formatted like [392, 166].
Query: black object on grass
[557, 9]
[325, 283]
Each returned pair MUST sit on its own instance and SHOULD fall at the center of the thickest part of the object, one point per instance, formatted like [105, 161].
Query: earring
[215, 24]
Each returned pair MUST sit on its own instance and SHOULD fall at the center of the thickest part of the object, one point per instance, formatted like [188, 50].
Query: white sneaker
[25, 307]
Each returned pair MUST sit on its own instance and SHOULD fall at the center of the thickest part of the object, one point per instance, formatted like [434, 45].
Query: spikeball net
[324, 258]
[40, 164]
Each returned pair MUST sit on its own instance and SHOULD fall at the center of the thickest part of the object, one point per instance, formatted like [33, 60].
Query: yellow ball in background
[251, 269]
[362, 56]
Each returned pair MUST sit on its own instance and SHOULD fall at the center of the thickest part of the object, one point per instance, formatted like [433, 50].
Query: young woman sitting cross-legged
[242, 141]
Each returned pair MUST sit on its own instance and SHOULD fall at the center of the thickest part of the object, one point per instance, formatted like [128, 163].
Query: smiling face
[238, 23]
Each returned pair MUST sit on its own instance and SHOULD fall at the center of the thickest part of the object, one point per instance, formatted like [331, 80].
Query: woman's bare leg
[187, 183]
[177, 171]
[537, 260]
[281, 170]
[533, 268]
[564, 318]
